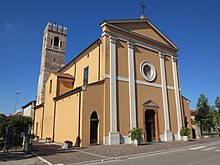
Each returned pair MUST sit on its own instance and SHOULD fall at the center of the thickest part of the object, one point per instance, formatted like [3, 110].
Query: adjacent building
[127, 78]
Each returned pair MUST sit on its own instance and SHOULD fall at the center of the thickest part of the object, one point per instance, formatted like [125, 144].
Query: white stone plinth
[114, 138]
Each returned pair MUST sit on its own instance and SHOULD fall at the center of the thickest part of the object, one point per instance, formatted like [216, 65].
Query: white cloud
[9, 25]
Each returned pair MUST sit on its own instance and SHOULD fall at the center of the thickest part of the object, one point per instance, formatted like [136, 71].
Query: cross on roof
[142, 8]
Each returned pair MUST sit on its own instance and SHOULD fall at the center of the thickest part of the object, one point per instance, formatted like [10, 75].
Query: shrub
[135, 134]
[185, 131]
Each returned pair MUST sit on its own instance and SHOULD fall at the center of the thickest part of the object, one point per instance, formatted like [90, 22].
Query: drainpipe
[42, 127]
[78, 137]
[54, 115]
[99, 63]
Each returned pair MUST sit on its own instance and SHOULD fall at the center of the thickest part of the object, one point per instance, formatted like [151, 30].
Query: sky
[192, 25]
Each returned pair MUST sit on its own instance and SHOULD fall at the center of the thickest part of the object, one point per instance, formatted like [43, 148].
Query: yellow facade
[87, 113]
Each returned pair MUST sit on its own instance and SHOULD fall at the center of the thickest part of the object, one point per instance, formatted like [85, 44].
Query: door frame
[156, 122]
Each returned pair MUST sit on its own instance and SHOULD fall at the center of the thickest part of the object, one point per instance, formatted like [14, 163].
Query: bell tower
[52, 56]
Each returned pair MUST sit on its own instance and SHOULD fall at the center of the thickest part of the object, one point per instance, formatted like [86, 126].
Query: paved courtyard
[54, 154]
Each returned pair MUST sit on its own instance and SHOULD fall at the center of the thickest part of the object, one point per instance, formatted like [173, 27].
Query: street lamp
[17, 93]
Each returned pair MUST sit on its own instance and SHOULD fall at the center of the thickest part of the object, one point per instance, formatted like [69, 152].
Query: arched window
[94, 116]
[56, 41]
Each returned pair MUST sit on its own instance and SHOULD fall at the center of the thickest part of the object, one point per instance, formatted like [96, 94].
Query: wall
[89, 105]
[66, 120]
[38, 119]
[64, 85]
[49, 107]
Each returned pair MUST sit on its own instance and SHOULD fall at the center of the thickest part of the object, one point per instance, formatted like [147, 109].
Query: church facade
[128, 78]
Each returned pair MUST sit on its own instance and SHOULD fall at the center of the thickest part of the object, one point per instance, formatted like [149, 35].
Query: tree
[217, 103]
[204, 115]
[15, 126]
[202, 107]
[2, 125]
[217, 107]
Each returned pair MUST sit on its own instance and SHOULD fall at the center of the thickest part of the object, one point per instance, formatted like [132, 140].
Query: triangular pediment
[150, 104]
[144, 28]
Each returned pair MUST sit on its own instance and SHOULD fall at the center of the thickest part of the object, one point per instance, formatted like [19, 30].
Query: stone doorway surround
[151, 105]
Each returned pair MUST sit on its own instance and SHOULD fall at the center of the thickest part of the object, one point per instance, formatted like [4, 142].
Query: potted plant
[68, 144]
[48, 139]
[37, 138]
[136, 135]
[185, 132]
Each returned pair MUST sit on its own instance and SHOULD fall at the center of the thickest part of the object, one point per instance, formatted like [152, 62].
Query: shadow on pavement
[44, 149]
[12, 156]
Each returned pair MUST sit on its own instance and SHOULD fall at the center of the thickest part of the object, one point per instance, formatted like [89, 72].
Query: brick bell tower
[52, 56]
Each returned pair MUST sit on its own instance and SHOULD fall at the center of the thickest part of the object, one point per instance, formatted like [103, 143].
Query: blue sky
[192, 25]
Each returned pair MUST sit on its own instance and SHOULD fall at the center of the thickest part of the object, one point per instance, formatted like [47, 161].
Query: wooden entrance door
[150, 125]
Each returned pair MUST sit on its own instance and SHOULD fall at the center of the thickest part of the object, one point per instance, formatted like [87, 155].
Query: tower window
[86, 76]
[56, 41]
[51, 42]
[61, 43]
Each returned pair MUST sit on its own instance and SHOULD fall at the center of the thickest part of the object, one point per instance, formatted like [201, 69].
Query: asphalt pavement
[207, 154]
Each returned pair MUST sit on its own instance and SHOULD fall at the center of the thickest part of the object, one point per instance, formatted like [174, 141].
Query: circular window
[148, 71]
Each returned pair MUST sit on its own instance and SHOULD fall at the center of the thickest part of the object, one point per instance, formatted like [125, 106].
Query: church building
[127, 78]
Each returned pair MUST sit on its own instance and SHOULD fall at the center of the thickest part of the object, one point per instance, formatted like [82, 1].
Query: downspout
[78, 137]
[54, 115]
[99, 63]
[42, 126]
[33, 120]
[74, 70]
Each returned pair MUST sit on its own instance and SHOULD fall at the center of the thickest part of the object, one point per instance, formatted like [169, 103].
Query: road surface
[206, 154]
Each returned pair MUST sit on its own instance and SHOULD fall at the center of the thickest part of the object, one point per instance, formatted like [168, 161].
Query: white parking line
[196, 148]
[91, 154]
[208, 149]
[45, 161]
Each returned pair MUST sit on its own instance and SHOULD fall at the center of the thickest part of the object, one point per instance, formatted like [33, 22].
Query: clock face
[148, 71]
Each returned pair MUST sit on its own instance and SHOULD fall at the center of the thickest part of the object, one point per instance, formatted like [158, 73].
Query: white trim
[132, 94]
[139, 20]
[140, 82]
[138, 43]
[113, 134]
[163, 35]
[165, 100]
[113, 99]
[148, 84]
[177, 97]
[153, 71]
[147, 38]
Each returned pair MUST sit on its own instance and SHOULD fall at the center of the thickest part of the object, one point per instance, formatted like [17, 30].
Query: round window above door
[148, 71]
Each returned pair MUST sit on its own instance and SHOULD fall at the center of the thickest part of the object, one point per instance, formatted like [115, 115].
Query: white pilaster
[167, 133]
[177, 96]
[132, 94]
[114, 137]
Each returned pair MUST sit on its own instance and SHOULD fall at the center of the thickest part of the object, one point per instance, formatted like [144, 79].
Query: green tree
[204, 112]
[217, 103]
[2, 124]
[217, 107]
[15, 125]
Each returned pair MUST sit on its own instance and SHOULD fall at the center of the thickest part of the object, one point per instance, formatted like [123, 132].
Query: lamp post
[17, 93]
